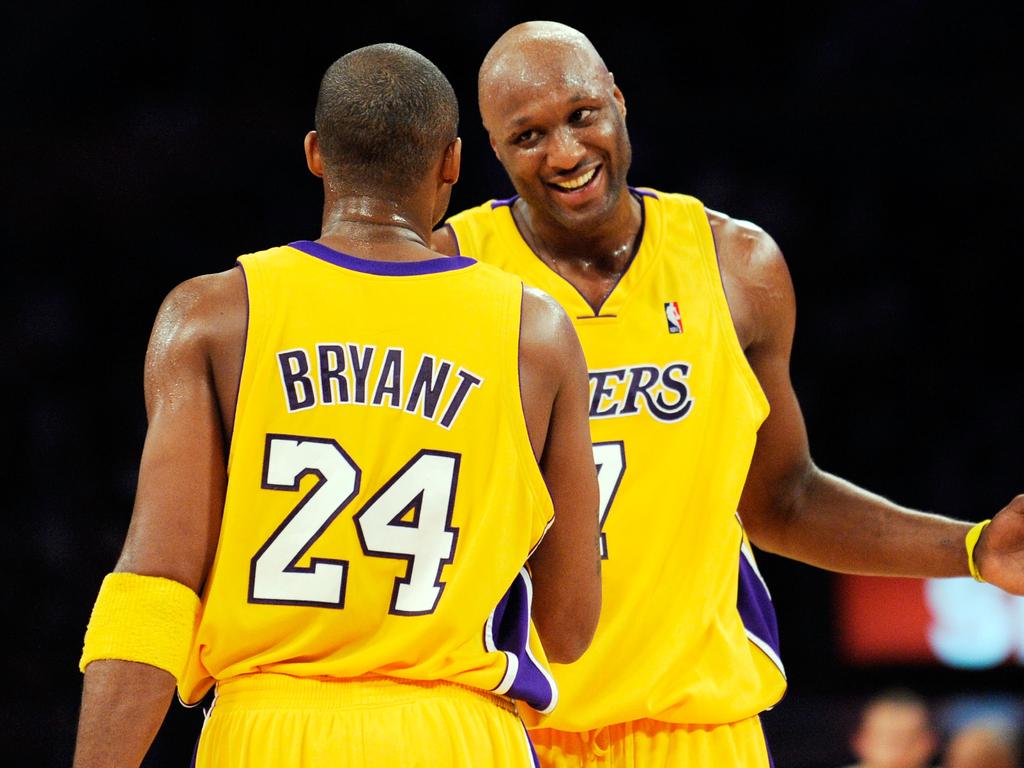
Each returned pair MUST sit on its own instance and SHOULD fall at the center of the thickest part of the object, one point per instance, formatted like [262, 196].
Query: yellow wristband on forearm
[147, 619]
[972, 541]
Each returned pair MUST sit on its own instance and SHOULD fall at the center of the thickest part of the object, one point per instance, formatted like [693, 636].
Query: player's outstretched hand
[1000, 551]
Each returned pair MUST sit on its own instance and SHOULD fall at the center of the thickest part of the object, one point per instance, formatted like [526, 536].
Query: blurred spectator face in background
[895, 732]
[982, 745]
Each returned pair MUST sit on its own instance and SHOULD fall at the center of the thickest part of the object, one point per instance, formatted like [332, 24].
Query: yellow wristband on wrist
[972, 541]
[147, 619]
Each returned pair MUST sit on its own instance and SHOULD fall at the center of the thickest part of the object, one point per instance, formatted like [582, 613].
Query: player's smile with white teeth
[577, 182]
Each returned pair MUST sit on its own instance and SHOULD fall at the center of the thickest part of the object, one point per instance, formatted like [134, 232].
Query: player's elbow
[566, 574]
[571, 646]
[567, 631]
[761, 527]
[771, 523]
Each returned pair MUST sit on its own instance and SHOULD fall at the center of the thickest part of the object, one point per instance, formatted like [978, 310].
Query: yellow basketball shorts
[279, 721]
[655, 744]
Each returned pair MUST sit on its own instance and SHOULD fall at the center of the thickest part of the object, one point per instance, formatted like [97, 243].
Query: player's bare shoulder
[201, 322]
[755, 276]
[200, 311]
[443, 240]
[544, 314]
[546, 334]
[551, 361]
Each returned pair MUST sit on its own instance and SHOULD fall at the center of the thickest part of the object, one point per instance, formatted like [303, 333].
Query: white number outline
[295, 485]
[414, 504]
[607, 499]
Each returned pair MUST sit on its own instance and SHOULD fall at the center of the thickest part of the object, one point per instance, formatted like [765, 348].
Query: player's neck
[606, 247]
[374, 228]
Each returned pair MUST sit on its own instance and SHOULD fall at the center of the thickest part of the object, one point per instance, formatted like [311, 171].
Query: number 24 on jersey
[426, 486]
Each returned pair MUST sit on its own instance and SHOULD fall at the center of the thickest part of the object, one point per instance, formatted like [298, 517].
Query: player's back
[383, 496]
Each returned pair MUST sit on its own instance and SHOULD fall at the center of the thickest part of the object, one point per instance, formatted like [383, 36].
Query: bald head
[532, 56]
[557, 124]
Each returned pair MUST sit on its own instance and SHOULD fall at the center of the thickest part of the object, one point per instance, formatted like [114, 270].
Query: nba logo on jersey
[675, 321]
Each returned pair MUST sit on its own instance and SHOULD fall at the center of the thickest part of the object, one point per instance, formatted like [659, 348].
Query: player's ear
[314, 162]
[620, 100]
[452, 162]
[494, 146]
[447, 175]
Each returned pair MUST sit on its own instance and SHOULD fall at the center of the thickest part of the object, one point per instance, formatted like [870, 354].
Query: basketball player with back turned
[686, 317]
[355, 449]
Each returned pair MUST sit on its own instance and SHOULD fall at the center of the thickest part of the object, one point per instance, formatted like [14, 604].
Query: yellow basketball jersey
[687, 631]
[382, 494]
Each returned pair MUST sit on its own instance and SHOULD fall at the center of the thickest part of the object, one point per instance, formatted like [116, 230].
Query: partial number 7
[610, 459]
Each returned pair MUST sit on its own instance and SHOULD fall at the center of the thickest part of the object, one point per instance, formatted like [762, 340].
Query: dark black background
[146, 143]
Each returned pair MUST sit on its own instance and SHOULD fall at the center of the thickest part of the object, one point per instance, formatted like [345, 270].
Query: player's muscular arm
[793, 508]
[566, 566]
[178, 504]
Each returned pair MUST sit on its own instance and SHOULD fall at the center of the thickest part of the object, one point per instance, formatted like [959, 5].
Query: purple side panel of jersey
[511, 632]
[755, 607]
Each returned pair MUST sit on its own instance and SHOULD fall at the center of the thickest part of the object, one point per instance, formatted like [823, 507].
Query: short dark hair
[383, 114]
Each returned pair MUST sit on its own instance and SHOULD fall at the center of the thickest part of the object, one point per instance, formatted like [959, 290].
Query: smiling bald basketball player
[686, 317]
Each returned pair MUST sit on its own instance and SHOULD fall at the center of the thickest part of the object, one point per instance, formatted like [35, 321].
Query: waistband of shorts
[274, 691]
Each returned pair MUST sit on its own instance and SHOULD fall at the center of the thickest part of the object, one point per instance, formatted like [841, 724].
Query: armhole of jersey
[716, 285]
[517, 412]
[250, 273]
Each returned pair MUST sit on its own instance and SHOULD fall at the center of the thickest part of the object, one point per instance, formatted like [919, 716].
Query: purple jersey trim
[632, 256]
[534, 760]
[755, 607]
[511, 632]
[643, 192]
[386, 268]
[511, 200]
